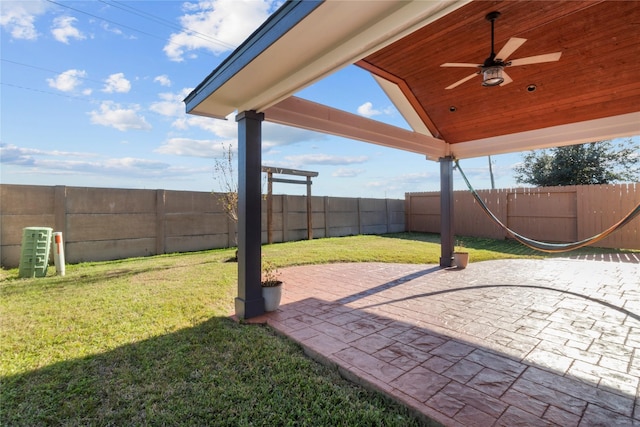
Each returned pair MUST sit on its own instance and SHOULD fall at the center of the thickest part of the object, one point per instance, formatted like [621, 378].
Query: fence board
[107, 223]
[553, 214]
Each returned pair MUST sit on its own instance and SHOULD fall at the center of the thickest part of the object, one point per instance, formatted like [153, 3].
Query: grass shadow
[216, 373]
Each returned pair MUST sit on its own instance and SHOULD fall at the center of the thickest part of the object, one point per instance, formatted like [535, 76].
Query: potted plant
[460, 255]
[271, 286]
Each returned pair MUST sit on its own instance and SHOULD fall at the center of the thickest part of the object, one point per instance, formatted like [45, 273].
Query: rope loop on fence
[544, 246]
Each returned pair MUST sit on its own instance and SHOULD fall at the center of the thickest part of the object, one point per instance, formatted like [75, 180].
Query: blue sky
[92, 92]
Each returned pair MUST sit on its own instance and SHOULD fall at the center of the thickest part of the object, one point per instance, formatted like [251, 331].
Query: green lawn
[148, 341]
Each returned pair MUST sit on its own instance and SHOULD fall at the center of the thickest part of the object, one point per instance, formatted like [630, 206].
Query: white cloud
[130, 163]
[273, 135]
[163, 80]
[68, 80]
[12, 154]
[171, 104]
[117, 31]
[216, 26]
[75, 163]
[347, 172]
[18, 17]
[227, 129]
[323, 159]
[117, 83]
[396, 186]
[206, 148]
[367, 110]
[123, 119]
[63, 29]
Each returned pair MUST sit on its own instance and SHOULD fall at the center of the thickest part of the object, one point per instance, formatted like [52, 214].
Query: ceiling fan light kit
[492, 76]
[492, 70]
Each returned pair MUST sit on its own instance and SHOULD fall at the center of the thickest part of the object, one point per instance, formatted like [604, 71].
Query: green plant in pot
[271, 286]
[460, 255]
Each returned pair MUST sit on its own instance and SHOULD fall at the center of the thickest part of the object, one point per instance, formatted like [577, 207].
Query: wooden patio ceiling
[597, 76]
[592, 92]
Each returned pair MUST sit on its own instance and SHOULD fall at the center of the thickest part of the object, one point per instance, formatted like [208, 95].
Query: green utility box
[34, 257]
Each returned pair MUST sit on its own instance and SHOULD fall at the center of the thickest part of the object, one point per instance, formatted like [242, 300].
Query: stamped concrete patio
[501, 343]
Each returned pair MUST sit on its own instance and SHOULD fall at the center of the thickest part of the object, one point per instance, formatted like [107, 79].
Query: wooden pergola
[591, 93]
[270, 170]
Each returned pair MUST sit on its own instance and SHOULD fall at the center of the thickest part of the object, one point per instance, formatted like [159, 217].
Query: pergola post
[249, 302]
[446, 211]
[309, 211]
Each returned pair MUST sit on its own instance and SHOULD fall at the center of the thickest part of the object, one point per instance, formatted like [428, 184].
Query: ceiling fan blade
[461, 64]
[511, 46]
[507, 79]
[549, 57]
[459, 82]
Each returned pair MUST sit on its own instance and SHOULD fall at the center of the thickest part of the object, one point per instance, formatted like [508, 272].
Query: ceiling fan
[492, 69]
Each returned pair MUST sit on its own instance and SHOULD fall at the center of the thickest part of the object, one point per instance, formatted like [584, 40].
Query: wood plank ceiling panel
[597, 76]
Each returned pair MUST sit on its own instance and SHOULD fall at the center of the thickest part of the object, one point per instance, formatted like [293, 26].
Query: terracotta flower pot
[461, 259]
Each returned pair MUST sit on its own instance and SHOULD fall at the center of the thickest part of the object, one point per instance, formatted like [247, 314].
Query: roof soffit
[308, 52]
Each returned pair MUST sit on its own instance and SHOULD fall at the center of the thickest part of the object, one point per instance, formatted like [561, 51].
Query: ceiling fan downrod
[492, 16]
[492, 70]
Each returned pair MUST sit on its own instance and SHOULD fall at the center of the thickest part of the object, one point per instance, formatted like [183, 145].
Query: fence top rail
[553, 189]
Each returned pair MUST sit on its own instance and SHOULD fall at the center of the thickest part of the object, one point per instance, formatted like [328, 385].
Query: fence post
[359, 216]
[407, 212]
[160, 226]
[285, 214]
[386, 205]
[60, 209]
[326, 216]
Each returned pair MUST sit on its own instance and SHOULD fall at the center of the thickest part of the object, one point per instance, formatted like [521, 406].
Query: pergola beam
[309, 115]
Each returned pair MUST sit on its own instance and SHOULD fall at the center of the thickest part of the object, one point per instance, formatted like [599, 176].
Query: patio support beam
[310, 115]
[446, 211]
[249, 302]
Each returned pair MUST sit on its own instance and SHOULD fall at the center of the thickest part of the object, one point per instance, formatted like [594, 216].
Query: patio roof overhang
[591, 93]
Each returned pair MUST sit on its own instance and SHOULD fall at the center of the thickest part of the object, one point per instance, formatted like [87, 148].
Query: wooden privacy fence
[104, 223]
[551, 214]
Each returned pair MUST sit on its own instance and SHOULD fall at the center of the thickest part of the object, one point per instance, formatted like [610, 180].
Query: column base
[246, 309]
[446, 262]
